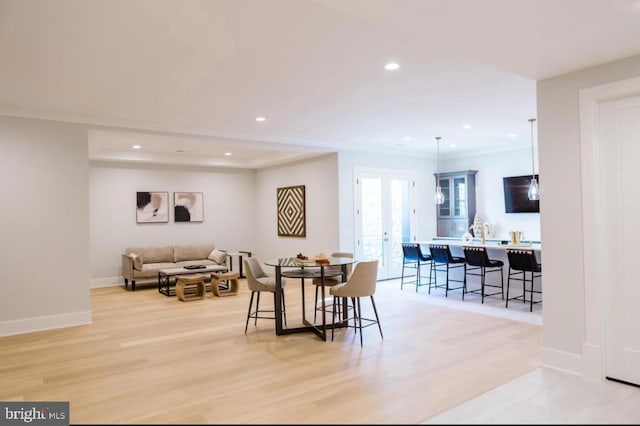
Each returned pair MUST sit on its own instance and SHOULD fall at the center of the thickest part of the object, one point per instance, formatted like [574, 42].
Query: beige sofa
[143, 263]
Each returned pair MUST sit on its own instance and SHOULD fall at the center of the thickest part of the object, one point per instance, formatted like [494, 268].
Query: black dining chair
[442, 258]
[414, 258]
[522, 262]
[479, 264]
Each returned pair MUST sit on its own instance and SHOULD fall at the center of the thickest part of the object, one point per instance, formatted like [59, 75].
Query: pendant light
[439, 197]
[534, 191]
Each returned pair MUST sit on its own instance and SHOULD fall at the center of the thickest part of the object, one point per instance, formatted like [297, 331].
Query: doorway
[610, 128]
[383, 217]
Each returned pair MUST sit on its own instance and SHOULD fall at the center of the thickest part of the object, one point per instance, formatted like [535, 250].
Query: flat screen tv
[516, 199]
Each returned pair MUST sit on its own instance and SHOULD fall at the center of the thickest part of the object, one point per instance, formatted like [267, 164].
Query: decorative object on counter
[477, 226]
[516, 237]
[486, 230]
[534, 191]
[439, 197]
[467, 237]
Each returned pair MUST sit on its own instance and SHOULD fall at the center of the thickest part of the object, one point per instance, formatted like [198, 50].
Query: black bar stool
[521, 262]
[478, 259]
[441, 255]
[414, 258]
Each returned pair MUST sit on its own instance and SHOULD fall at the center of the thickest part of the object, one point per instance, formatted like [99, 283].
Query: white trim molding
[592, 362]
[29, 325]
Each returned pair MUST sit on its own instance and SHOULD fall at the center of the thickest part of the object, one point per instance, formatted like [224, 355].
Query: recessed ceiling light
[260, 119]
[513, 135]
[406, 138]
[466, 126]
[136, 147]
[453, 145]
[228, 154]
[391, 66]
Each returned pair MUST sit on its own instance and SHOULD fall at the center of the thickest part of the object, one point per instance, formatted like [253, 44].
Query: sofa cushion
[150, 270]
[184, 263]
[137, 261]
[192, 252]
[153, 254]
[218, 256]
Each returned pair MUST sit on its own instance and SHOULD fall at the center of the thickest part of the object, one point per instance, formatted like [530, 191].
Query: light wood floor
[151, 359]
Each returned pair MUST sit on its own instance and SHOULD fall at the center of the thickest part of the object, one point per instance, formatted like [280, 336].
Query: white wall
[229, 212]
[44, 223]
[561, 208]
[490, 193]
[320, 178]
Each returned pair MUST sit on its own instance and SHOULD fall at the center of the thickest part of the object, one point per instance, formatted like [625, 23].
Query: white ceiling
[192, 75]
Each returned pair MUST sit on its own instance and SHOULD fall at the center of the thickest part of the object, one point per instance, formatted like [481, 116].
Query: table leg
[324, 310]
[278, 301]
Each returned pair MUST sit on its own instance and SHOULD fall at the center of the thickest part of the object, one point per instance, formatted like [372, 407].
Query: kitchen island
[495, 250]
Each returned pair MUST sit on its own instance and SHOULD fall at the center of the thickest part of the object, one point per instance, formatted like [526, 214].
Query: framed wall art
[188, 207]
[291, 211]
[152, 207]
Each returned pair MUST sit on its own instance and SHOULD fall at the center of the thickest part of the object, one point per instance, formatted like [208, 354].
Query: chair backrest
[523, 260]
[476, 256]
[362, 282]
[425, 257]
[254, 271]
[440, 253]
[338, 269]
[410, 252]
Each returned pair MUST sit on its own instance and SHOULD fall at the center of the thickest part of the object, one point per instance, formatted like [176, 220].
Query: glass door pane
[445, 208]
[400, 223]
[371, 218]
[460, 197]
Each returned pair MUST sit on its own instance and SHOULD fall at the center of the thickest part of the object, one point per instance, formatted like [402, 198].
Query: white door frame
[358, 172]
[593, 348]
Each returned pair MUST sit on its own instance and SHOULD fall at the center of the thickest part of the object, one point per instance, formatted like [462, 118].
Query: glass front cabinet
[456, 214]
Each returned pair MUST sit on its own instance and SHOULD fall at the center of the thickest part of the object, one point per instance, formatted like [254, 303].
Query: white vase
[477, 226]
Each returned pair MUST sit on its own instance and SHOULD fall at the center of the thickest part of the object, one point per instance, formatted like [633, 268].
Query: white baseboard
[29, 325]
[587, 365]
[562, 361]
[106, 282]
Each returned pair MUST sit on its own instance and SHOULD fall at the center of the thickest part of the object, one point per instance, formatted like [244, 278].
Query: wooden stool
[231, 286]
[194, 286]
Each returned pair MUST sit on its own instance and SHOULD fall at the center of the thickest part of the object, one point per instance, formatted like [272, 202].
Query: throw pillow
[137, 261]
[218, 256]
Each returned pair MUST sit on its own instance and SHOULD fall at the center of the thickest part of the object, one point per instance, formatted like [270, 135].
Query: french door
[383, 217]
